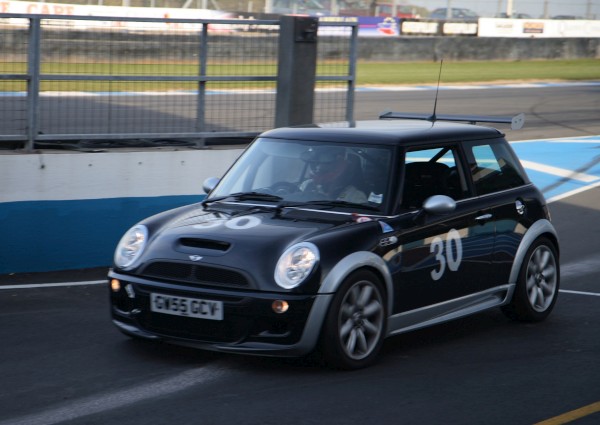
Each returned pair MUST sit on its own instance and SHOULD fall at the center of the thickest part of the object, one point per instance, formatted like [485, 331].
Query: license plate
[186, 307]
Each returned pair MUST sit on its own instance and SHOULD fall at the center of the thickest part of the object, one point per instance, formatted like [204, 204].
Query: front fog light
[280, 306]
[296, 264]
[115, 285]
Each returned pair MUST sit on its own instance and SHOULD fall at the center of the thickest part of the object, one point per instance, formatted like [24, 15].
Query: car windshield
[296, 173]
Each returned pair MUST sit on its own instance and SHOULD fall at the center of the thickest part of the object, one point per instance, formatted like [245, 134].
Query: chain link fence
[147, 81]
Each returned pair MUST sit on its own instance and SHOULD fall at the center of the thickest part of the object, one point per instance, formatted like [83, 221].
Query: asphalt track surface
[63, 362]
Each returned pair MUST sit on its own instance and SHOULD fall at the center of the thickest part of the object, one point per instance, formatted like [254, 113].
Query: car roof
[386, 132]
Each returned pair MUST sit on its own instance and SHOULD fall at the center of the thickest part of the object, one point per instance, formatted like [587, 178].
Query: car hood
[250, 242]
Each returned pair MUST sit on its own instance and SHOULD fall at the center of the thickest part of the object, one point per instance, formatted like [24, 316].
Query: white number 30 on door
[445, 255]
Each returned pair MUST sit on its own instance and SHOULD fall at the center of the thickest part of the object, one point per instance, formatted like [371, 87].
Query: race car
[330, 238]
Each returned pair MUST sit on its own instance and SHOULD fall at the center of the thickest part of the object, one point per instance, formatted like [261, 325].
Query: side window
[494, 167]
[429, 172]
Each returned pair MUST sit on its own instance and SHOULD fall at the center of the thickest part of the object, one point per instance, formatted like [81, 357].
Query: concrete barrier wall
[475, 48]
[147, 47]
[61, 211]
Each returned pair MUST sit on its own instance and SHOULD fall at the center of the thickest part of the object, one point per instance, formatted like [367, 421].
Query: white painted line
[68, 93]
[98, 403]
[587, 266]
[561, 172]
[480, 86]
[566, 291]
[575, 139]
[581, 141]
[573, 192]
[98, 282]
[53, 285]
[390, 88]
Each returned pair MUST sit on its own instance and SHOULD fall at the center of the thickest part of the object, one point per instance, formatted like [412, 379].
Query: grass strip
[371, 73]
[368, 73]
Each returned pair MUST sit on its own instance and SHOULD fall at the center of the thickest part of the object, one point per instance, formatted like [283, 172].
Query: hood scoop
[205, 244]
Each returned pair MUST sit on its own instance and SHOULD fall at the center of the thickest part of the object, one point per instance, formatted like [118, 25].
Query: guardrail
[151, 81]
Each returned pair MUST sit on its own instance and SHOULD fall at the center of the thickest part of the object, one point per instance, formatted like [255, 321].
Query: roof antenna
[433, 116]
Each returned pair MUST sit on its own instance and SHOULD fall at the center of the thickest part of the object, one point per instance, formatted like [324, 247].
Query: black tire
[537, 285]
[355, 325]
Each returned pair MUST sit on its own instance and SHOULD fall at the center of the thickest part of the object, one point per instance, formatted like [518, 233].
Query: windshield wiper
[244, 196]
[325, 203]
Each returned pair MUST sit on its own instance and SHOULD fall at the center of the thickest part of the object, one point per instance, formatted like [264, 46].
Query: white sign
[546, 28]
[414, 27]
[459, 28]
[24, 7]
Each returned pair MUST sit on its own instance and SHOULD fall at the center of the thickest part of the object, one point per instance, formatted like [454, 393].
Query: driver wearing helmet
[331, 175]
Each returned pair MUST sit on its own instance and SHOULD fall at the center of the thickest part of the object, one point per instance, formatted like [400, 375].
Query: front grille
[193, 273]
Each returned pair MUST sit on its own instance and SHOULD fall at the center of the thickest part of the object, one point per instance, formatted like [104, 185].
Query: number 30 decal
[445, 255]
[237, 223]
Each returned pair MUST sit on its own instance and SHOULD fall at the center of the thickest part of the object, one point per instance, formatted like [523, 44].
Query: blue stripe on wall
[62, 235]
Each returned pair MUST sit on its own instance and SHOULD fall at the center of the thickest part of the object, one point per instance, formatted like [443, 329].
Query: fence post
[297, 68]
[203, 66]
[33, 83]
[352, 73]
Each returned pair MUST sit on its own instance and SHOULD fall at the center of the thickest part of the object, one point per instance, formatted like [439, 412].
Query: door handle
[520, 206]
[484, 217]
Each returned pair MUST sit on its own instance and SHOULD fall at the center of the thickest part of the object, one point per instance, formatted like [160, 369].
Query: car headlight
[131, 246]
[295, 265]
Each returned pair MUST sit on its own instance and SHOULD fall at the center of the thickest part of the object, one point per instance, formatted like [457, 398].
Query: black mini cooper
[335, 237]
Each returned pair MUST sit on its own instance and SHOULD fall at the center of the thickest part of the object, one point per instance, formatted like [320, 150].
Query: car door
[438, 257]
[498, 178]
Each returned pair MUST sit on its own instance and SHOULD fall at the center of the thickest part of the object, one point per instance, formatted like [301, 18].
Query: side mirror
[209, 184]
[439, 205]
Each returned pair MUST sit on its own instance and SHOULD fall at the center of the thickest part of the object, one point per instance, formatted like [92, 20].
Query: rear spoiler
[515, 122]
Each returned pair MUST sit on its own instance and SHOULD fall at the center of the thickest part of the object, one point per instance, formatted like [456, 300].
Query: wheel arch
[357, 261]
[540, 228]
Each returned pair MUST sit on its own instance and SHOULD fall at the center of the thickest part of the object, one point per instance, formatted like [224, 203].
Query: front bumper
[249, 323]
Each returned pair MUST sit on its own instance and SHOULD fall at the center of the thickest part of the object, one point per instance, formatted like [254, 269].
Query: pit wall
[68, 210]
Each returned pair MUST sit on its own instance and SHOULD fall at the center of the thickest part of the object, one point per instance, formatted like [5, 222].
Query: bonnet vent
[205, 244]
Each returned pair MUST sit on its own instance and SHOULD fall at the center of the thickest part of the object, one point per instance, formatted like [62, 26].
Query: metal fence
[146, 81]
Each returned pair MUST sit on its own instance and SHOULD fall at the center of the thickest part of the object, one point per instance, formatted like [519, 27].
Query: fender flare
[333, 280]
[355, 261]
[539, 228]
